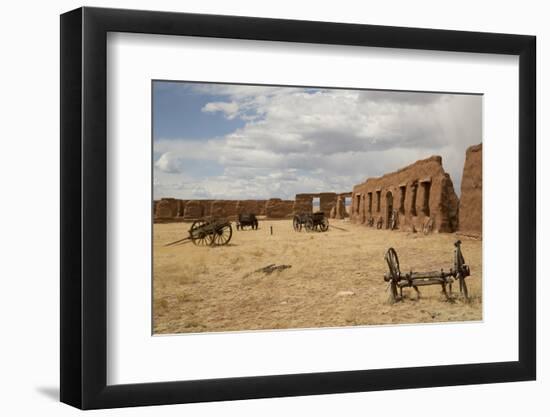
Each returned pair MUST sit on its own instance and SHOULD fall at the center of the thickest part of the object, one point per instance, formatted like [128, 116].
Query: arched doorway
[389, 208]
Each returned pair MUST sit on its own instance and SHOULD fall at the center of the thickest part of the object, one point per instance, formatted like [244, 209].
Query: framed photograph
[257, 208]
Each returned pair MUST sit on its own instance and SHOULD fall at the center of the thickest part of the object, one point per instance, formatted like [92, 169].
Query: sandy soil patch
[336, 279]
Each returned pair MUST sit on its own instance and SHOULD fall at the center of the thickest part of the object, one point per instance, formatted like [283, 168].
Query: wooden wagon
[310, 221]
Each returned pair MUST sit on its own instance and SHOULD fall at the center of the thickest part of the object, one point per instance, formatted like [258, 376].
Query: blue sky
[235, 141]
[177, 109]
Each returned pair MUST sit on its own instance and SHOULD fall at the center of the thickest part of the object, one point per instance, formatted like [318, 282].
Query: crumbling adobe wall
[261, 204]
[181, 207]
[223, 208]
[471, 193]
[326, 202]
[339, 210]
[276, 208]
[256, 207]
[171, 209]
[303, 203]
[232, 208]
[166, 208]
[418, 191]
[194, 209]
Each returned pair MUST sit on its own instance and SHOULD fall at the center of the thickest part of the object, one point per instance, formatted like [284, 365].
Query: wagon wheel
[296, 224]
[393, 264]
[222, 235]
[428, 226]
[197, 234]
[393, 292]
[310, 226]
[465, 290]
[463, 287]
[393, 224]
[323, 226]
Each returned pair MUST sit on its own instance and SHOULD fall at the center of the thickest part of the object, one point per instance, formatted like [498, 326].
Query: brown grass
[198, 289]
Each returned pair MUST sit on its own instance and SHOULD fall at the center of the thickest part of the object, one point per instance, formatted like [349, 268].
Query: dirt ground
[335, 279]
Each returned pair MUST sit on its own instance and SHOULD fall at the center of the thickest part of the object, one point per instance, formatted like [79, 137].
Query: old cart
[393, 220]
[208, 232]
[397, 280]
[311, 221]
[247, 220]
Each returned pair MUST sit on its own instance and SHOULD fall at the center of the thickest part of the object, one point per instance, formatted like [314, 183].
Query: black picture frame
[84, 207]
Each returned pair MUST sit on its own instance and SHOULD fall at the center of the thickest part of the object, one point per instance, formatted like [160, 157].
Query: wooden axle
[423, 282]
[431, 274]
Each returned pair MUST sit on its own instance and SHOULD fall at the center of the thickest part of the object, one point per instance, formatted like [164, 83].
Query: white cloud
[230, 110]
[168, 162]
[297, 140]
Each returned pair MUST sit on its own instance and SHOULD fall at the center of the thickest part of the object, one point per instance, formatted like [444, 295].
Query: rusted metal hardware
[208, 232]
[397, 280]
[247, 220]
[311, 222]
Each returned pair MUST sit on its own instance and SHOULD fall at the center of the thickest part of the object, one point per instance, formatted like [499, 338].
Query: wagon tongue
[177, 241]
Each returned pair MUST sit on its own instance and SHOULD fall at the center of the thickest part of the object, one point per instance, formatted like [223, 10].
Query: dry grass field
[335, 279]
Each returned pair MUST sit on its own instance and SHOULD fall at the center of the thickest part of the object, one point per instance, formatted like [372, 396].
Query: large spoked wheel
[393, 221]
[198, 233]
[428, 226]
[393, 264]
[463, 288]
[310, 226]
[394, 296]
[296, 224]
[222, 235]
[324, 225]
[395, 272]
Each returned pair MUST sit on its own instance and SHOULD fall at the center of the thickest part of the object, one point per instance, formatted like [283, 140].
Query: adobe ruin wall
[275, 208]
[417, 192]
[339, 210]
[171, 209]
[471, 193]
